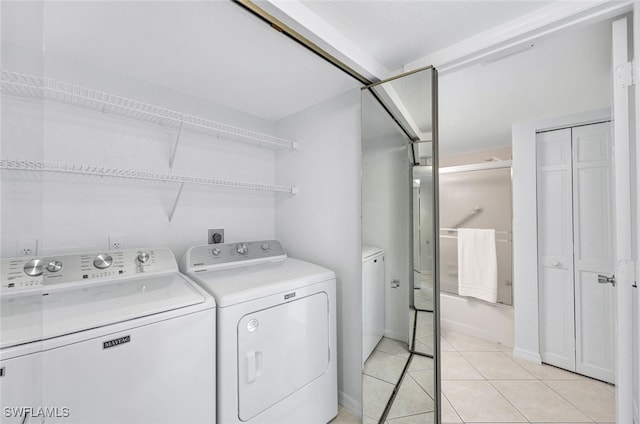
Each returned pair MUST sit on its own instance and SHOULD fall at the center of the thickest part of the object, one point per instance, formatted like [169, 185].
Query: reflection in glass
[424, 252]
[399, 217]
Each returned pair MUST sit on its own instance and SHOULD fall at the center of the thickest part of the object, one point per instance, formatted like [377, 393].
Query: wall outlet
[116, 241]
[27, 247]
[215, 236]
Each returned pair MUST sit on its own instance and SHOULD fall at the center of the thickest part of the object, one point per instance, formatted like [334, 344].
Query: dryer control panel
[28, 273]
[228, 254]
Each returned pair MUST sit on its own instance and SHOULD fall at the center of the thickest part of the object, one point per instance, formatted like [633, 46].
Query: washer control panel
[19, 274]
[229, 253]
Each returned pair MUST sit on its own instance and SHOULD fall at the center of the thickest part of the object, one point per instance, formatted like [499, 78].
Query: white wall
[386, 213]
[525, 228]
[321, 224]
[564, 73]
[72, 213]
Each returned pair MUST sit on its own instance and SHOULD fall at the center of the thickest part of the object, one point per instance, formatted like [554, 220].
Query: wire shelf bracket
[175, 146]
[175, 203]
[43, 88]
[133, 174]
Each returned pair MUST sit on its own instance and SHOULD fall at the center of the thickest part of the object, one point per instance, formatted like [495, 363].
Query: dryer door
[280, 350]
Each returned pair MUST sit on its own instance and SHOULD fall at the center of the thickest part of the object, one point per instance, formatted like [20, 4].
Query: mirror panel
[399, 221]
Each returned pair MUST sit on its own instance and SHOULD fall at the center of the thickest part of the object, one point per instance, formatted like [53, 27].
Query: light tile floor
[481, 383]
[382, 371]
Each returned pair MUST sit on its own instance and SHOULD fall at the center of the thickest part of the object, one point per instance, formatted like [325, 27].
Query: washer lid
[231, 286]
[369, 251]
[31, 317]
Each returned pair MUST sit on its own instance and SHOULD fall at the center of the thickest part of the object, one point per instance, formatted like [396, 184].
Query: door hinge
[625, 75]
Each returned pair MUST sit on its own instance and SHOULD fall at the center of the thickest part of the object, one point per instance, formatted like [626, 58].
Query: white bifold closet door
[575, 245]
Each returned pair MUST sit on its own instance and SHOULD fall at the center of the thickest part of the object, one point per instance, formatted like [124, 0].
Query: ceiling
[219, 52]
[213, 50]
[398, 32]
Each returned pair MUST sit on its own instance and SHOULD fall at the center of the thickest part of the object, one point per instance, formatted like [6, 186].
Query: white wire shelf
[133, 174]
[84, 169]
[43, 88]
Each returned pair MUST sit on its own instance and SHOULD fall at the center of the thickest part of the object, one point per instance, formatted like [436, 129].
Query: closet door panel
[555, 250]
[595, 327]
[593, 250]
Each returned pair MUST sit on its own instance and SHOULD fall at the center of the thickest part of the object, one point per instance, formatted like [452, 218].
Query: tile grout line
[536, 378]
[511, 403]
[571, 403]
[395, 392]
[452, 407]
[495, 388]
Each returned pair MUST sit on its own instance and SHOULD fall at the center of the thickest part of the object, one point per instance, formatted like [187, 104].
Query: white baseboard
[350, 404]
[528, 355]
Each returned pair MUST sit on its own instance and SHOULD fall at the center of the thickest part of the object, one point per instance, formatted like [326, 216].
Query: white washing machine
[113, 337]
[276, 333]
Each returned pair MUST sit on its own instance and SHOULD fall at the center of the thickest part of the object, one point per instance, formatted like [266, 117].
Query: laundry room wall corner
[321, 223]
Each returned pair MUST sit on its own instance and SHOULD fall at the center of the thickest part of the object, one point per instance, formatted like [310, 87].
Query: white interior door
[593, 250]
[577, 330]
[555, 249]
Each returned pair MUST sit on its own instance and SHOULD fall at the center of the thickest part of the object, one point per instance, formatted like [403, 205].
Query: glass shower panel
[476, 199]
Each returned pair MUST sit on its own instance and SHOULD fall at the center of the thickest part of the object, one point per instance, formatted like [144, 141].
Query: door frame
[635, 120]
[624, 126]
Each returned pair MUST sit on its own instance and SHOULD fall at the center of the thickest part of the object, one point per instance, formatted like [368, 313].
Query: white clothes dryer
[276, 330]
[111, 337]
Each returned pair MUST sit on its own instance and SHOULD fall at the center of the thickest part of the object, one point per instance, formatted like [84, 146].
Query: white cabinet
[575, 245]
[373, 299]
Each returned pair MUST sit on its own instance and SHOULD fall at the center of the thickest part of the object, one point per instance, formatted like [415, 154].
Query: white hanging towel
[477, 264]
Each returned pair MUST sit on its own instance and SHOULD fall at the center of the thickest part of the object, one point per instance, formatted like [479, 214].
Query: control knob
[102, 261]
[33, 268]
[242, 248]
[265, 246]
[143, 257]
[54, 266]
[215, 252]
